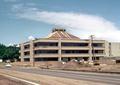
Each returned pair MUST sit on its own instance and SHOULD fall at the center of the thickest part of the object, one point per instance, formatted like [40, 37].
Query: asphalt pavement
[112, 79]
[9, 81]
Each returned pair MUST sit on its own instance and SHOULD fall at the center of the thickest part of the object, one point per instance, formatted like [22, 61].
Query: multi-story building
[114, 49]
[62, 46]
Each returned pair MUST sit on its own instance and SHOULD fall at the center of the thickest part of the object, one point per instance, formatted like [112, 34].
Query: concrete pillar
[90, 48]
[31, 53]
[22, 52]
[59, 51]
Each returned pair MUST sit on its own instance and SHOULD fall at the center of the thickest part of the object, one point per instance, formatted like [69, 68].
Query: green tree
[2, 50]
[9, 52]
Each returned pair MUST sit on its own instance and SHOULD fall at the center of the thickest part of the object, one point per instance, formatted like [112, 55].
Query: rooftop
[59, 33]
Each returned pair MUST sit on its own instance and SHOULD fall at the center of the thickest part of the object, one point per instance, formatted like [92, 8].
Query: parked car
[8, 65]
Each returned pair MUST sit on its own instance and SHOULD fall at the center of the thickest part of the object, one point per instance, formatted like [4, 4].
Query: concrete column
[59, 51]
[90, 49]
[22, 52]
[31, 53]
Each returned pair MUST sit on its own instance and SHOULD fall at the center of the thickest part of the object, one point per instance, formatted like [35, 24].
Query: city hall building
[62, 46]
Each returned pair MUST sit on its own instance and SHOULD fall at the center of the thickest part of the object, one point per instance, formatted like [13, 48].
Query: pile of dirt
[26, 64]
[54, 64]
[48, 64]
[71, 65]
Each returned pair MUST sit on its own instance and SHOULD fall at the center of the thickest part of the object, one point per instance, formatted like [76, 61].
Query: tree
[9, 52]
[2, 50]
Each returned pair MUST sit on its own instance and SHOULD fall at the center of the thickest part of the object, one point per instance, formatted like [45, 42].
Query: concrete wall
[107, 49]
[114, 49]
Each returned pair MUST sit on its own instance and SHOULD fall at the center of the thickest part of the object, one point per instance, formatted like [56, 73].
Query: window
[45, 44]
[74, 44]
[46, 59]
[74, 51]
[26, 53]
[97, 44]
[45, 51]
[27, 46]
[26, 59]
[97, 51]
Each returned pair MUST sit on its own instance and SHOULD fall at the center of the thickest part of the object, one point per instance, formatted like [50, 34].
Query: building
[62, 46]
[114, 49]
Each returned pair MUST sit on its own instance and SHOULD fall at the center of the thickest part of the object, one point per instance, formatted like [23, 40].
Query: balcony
[26, 46]
[46, 55]
[98, 48]
[46, 48]
[99, 54]
[26, 56]
[25, 50]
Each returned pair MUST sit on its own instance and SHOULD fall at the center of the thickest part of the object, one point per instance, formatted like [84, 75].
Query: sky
[24, 19]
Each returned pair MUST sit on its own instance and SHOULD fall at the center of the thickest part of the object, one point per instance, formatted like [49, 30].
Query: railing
[46, 47]
[46, 55]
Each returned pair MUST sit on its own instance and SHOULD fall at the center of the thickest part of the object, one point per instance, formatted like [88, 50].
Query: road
[9, 81]
[112, 79]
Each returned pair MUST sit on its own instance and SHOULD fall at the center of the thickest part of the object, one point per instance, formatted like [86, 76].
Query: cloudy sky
[20, 19]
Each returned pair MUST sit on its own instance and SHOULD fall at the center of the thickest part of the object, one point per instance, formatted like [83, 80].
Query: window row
[38, 44]
[41, 59]
[63, 51]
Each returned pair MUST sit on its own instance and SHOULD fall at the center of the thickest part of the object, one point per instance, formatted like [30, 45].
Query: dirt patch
[75, 66]
[7, 81]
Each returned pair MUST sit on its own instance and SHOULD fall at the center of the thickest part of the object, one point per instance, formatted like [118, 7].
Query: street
[113, 79]
[9, 81]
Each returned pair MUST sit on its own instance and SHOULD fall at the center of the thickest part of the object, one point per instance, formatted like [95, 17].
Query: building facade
[62, 46]
[114, 48]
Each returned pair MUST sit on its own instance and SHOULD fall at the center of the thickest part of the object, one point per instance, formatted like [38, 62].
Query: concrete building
[62, 46]
[114, 48]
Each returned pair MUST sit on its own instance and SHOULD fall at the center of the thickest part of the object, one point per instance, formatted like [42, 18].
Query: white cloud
[10, 44]
[21, 7]
[31, 38]
[79, 24]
